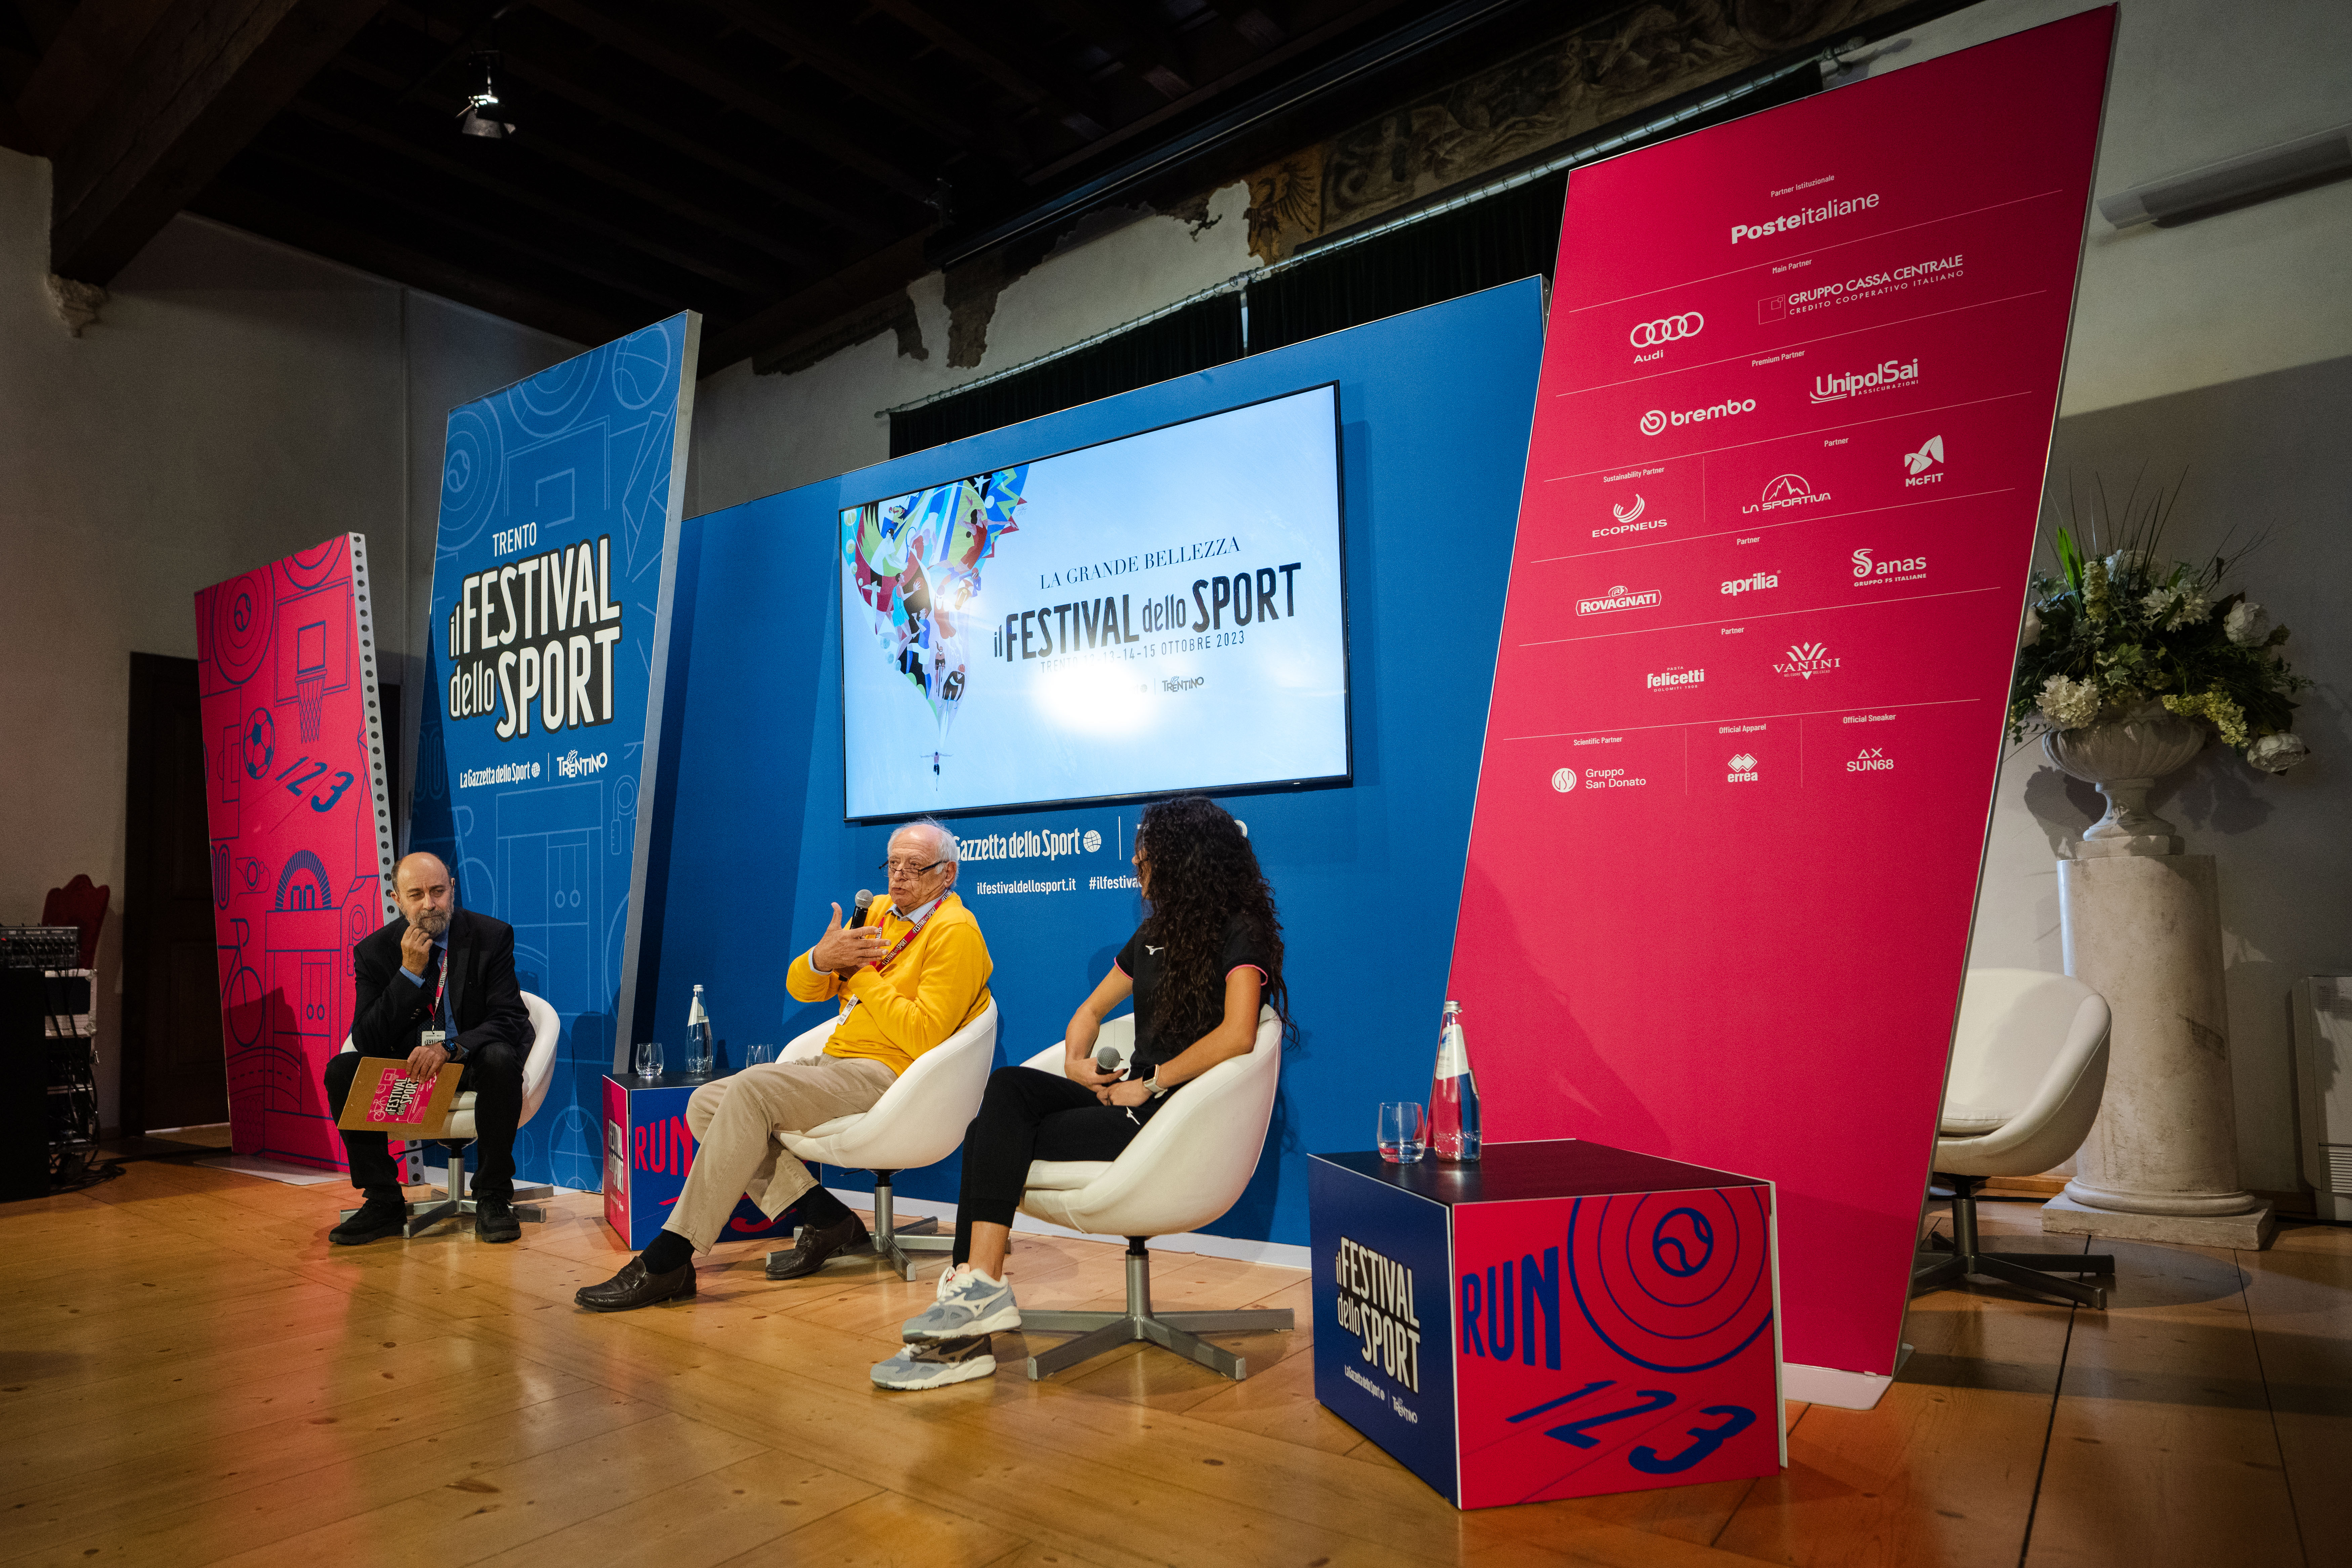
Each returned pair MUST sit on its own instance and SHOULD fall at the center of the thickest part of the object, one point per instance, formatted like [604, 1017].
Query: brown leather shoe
[633, 1288]
[809, 1252]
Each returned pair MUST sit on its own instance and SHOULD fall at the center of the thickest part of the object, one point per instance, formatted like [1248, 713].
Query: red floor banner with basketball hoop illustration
[302, 831]
[1798, 389]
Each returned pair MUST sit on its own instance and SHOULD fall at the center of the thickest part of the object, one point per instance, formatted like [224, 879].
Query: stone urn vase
[2125, 757]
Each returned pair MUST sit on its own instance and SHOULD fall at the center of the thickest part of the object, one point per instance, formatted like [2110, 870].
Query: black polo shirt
[1141, 959]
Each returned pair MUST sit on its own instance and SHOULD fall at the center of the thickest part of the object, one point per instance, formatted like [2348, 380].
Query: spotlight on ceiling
[480, 115]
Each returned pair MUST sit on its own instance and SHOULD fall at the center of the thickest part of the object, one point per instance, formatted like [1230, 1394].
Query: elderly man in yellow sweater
[912, 975]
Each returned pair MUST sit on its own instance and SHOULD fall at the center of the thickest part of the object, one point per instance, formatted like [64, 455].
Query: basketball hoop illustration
[310, 675]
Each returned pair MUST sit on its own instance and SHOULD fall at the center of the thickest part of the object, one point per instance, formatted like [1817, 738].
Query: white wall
[2216, 350]
[238, 401]
[2196, 81]
[756, 435]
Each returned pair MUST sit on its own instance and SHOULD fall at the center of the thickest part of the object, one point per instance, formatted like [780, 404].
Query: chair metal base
[1940, 1263]
[449, 1200]
[1178, 1331]
[891, 1240]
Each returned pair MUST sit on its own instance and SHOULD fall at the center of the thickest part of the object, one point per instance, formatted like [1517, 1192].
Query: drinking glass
[649, 1059]
[759, 1055]
[698, 1059]
[1400, 1132]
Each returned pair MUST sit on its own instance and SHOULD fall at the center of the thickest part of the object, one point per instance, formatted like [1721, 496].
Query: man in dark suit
[437, 986]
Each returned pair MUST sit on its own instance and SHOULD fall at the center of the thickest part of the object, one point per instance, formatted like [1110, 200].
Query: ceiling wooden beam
[574, 88]
[1023, 85]
[817, 307]
[15, 135]
[713, 79]
[761, 21]
[89, 55]
[597, 164]
[575, 214]
[305, 229]
[44, 19]
[206, 76]
[1225, 84]
[377, 194]
[1134, 38]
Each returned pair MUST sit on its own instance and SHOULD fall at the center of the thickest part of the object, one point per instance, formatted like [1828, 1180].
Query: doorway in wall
[174, 1070]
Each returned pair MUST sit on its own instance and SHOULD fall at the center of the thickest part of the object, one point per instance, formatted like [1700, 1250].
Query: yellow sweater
[936, 985]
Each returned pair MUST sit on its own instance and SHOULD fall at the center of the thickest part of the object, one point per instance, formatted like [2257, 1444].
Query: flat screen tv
[1161, 613]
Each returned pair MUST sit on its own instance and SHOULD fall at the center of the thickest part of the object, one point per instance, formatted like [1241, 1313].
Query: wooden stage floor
[189, 1374]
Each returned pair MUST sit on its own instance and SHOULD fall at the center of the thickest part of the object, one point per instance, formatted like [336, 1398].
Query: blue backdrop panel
[571, 472]
[750, 846]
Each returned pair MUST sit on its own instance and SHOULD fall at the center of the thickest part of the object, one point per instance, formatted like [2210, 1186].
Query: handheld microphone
[864, 902]
[1106, 1059]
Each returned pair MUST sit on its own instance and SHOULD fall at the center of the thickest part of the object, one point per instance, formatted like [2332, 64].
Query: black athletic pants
[493, 1074]
[1031, 1115]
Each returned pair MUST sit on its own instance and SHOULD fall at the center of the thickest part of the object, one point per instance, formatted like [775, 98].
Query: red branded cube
[1561, 1319]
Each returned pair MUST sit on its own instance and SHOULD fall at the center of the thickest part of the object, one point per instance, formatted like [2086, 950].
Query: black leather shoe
[496, 1221]
[633, 1288]
[809, 1253]
[372, 1222]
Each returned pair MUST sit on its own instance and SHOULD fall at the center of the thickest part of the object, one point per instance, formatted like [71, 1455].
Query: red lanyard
[913, 932]
[440, 985]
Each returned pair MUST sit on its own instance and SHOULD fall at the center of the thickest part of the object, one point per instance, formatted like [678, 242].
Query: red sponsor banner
[1797, 395]
[301, 830]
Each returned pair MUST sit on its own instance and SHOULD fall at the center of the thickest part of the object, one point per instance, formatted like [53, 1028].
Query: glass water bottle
[1452, 1094]
[700, 1050]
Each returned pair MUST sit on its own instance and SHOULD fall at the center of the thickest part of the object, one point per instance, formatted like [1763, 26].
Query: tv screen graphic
[1160, 613]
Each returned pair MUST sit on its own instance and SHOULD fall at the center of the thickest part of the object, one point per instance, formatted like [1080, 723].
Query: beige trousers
[736, 1122]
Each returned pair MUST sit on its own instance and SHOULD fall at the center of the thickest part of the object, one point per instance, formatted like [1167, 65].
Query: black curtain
[1511, 234]
[1178, 344]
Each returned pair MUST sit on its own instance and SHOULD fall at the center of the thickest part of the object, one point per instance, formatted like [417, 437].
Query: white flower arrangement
[2068, 704]
[2112, 631]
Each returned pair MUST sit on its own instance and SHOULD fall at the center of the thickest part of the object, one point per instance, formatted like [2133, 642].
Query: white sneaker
[968, 1302]
[935, 1363]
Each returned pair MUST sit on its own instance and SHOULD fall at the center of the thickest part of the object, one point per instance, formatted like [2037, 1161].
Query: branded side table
[1560, 1319]
[648, 1150]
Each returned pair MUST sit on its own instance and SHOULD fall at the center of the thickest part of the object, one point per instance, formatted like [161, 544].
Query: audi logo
[1650, 335]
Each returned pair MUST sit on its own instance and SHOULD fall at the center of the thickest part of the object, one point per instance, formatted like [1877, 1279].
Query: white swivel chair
[919, 1120]
[2029, 1064]
[458, 1131]
[1185, 1168]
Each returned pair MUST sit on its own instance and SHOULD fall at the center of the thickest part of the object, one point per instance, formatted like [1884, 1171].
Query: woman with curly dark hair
[1205, 960]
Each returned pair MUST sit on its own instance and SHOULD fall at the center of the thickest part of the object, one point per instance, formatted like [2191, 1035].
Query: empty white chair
[1185, 1168]
[2029, 1064]
[458, 1131]
[919, 1120]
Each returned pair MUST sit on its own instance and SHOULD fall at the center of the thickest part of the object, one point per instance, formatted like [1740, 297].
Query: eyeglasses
[907, 868]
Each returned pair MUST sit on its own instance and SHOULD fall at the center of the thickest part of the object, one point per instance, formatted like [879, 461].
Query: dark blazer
[484, 997]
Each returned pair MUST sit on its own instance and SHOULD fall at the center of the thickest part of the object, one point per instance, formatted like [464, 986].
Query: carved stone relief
[1285, 204]
[1643, 55]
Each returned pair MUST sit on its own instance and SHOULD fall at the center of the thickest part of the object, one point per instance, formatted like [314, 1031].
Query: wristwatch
[1159, 1090]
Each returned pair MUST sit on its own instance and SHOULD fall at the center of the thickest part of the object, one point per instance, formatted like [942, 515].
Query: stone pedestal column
[2161, 1163]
